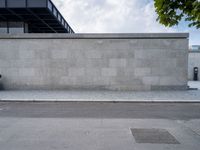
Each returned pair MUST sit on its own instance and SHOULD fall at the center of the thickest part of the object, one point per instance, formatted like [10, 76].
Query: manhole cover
[154, 136]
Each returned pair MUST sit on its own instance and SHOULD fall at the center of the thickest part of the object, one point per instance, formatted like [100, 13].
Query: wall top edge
[96, 36]
[194, 51]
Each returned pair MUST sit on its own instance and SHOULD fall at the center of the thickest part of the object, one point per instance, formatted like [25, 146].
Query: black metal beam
[21, 18]
[3, 18]
[13, 13]
[41, 20]
[43, 16]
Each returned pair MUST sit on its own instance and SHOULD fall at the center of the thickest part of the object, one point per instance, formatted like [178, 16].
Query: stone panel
[110, 72]
[94, 61]
[76, 72]
[114, 62]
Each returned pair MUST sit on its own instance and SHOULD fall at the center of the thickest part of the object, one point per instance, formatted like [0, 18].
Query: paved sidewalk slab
[105, 96]
[194, 84]
[90, 134]
[98, 96]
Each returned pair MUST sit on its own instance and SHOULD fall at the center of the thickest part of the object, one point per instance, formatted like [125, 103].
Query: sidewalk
[98, 134]
[194, 84]
[104, 96]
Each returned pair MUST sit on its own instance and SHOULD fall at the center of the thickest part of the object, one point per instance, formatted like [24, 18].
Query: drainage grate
[154, 136]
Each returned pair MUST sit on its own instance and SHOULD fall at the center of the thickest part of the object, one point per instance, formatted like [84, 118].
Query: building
[50, 60]
[127, 62]
[195, 48]
[31, 16]
[193, 61]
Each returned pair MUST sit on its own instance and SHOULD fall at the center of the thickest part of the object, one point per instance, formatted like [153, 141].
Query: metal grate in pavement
[154, 136]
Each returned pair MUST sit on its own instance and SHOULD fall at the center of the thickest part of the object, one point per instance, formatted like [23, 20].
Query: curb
[100, 101]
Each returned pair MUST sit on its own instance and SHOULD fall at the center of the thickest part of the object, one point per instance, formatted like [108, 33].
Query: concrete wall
[194, 61]
[94, 61]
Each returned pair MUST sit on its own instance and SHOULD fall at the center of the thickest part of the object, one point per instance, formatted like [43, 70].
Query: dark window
[16, 3]
[37, 3]
[50, 6]
[59, 17]
[3, 27]
[25, 28]
[2, 3]
[16, 27]
[55, 12]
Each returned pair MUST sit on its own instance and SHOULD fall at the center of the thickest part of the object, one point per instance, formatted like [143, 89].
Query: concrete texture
[99, 110]
[101, 96]
[193, 61]
[97, 36]
[90, 134]
[107, 96]
[104, 96]
[34, 130]
[194, 84]
[132, 62]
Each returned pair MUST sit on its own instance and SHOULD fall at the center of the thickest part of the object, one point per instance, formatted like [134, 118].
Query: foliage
[171, 12]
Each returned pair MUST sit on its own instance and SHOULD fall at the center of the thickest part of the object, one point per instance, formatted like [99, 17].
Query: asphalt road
[173, 111]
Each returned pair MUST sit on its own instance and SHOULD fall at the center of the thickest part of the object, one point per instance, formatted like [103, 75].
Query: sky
[118, 16]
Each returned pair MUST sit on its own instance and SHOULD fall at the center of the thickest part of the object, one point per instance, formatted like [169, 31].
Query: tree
[171, 12]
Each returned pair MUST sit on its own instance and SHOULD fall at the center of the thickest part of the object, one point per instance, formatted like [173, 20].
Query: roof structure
[41, 15]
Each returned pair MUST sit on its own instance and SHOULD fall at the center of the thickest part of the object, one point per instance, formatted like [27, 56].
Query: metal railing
[57, 14]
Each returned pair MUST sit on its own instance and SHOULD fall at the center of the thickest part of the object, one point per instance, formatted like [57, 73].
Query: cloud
[89, 16]
[117, 16]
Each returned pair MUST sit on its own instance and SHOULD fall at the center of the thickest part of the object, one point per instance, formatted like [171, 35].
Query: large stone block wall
[194, 61]
[94, 61]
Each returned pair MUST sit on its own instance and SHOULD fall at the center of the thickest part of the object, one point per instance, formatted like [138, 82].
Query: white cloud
[89, 16]
[117, 16]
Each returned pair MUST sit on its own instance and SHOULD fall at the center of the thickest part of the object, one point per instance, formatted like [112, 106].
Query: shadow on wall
[1, 84]
[1, 87]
